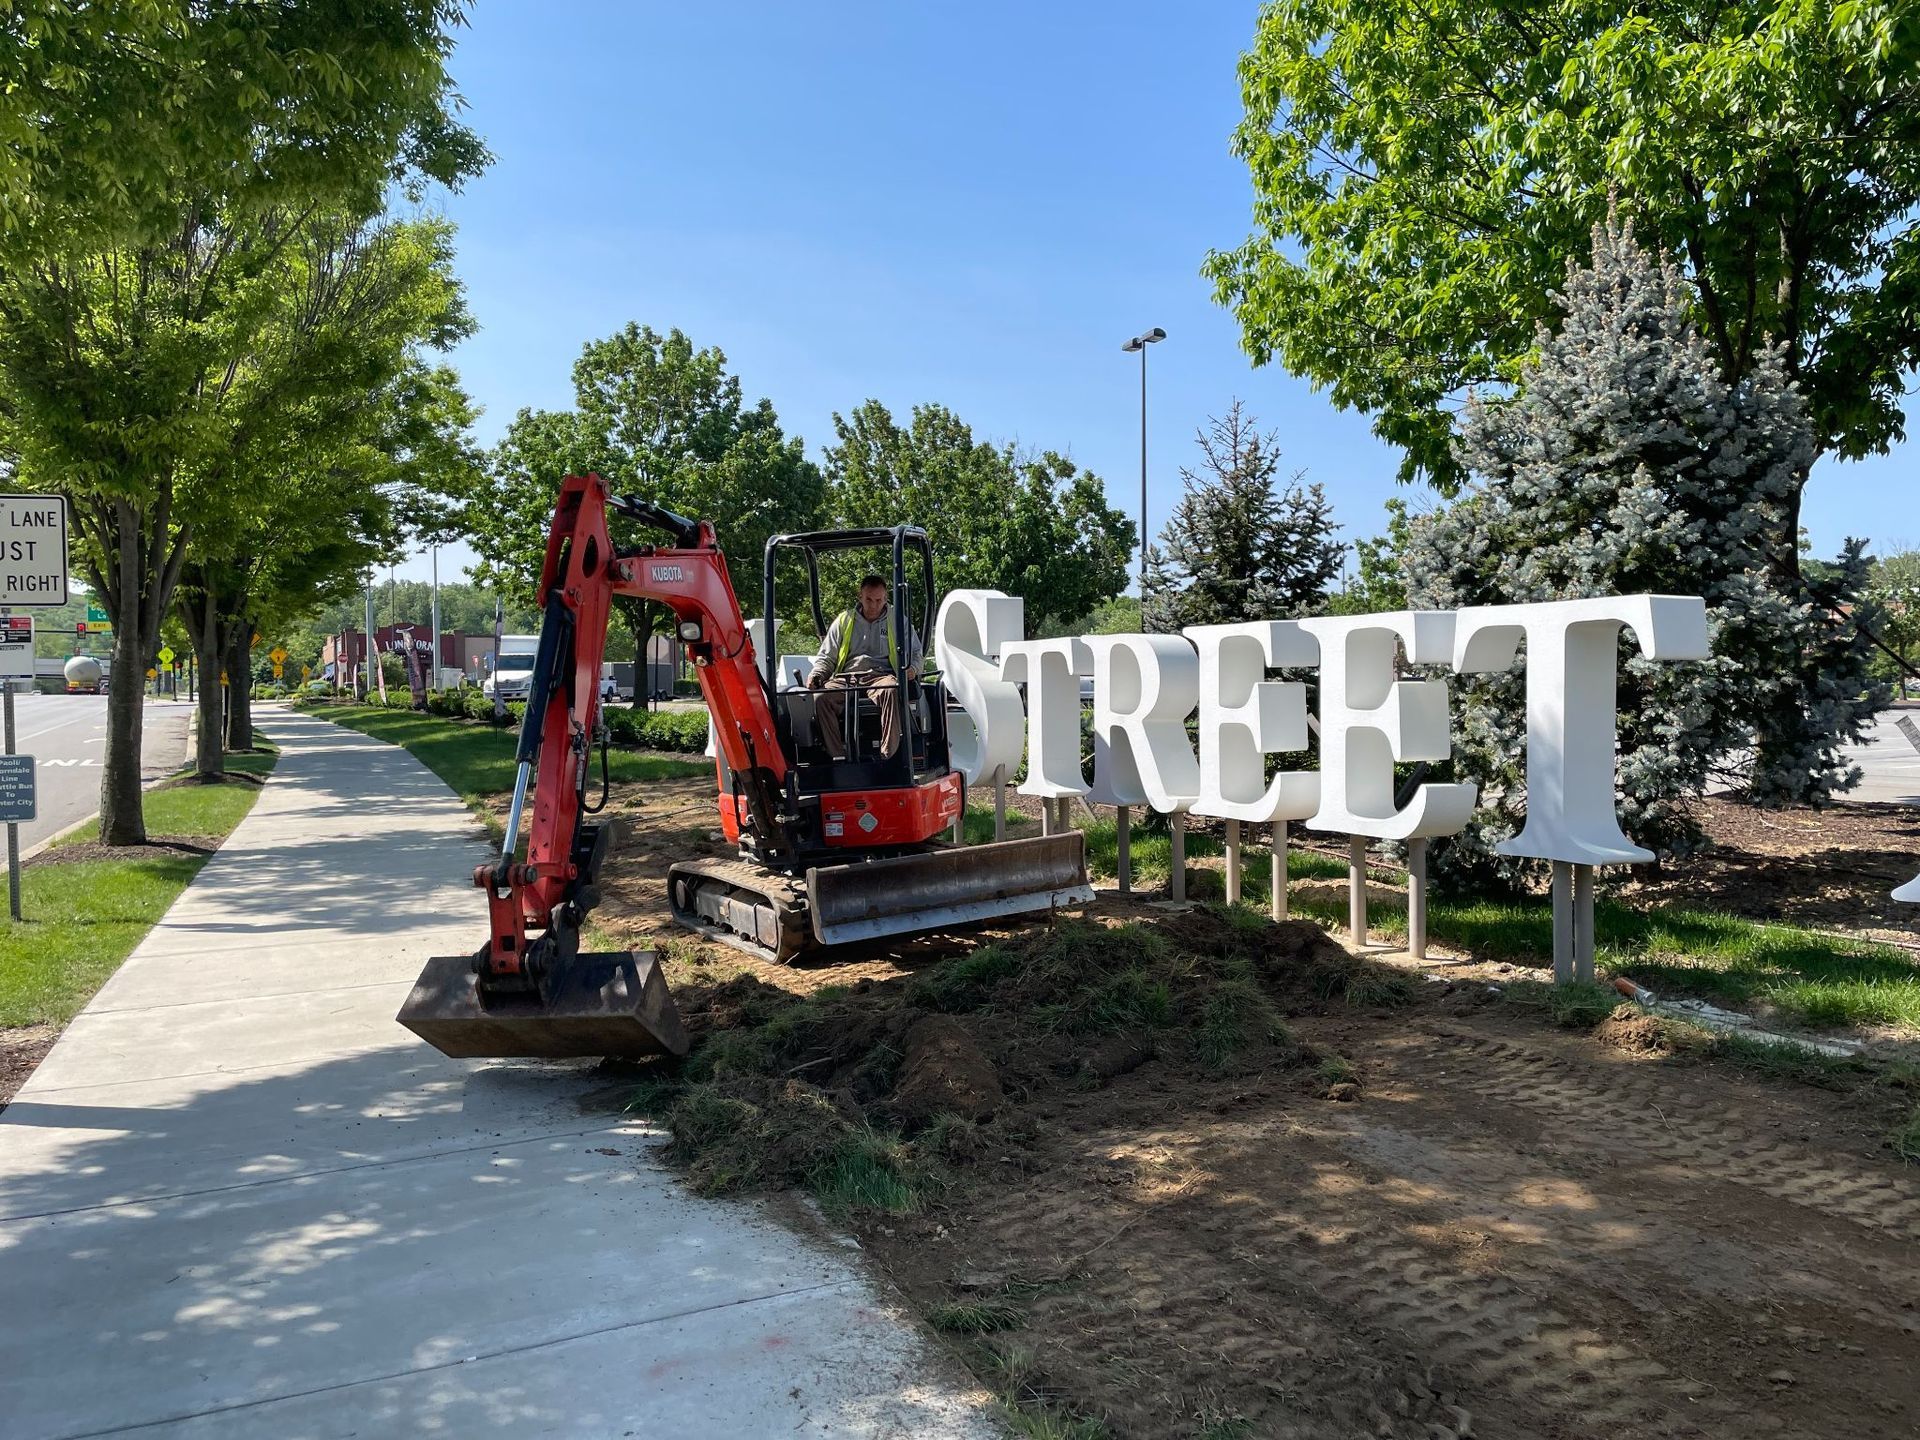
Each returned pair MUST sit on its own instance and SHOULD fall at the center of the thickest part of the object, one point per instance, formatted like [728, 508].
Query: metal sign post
[16, 803]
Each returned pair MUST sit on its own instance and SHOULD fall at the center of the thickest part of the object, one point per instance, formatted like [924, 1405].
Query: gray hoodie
[869, 646]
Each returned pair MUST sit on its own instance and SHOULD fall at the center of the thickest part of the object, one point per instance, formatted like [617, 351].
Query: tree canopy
[115, 111]
[658, 418]
[1423, 173]
[1034, 525]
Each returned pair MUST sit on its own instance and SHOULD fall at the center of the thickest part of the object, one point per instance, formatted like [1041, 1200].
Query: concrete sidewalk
[238, 1200]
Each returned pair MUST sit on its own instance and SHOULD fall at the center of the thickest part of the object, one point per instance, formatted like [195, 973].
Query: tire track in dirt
[1626, 1114]
[1474, 1337]
[1484, 1326]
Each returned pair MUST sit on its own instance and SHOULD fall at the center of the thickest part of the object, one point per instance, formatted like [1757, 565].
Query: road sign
[97, 620]
[305, 671]
[278, 655]
[16, 646]
[16, 788]
[152, 674]
[166, 655]
[33, 550]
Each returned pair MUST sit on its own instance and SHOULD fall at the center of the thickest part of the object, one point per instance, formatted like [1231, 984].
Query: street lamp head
[1140, 342]
[1133, 345]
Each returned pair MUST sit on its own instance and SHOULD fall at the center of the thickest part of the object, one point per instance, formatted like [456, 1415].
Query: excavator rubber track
[782, 918]
[741, 905]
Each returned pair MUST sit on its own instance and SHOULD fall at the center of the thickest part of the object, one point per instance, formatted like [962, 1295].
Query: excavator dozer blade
[610, 1004]
[907, 893]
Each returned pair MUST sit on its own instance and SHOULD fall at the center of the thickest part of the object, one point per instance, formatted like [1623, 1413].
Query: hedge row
[684, 731]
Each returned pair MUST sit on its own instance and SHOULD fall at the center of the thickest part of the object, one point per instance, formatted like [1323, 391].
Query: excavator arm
[529, 990]
[582, 573]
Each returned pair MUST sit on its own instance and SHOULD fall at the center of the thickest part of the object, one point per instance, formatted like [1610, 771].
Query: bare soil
[1449, 1219]
[21, 1051]
[1828, 869]
[158, 847]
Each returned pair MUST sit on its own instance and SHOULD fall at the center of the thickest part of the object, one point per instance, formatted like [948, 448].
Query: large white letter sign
[972, 629]
[1244, 717]
[1052, 670]
[1143, 690]
[1368, 720]
[1572, 648]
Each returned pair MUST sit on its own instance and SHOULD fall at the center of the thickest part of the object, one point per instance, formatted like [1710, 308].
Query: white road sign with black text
[33, 550]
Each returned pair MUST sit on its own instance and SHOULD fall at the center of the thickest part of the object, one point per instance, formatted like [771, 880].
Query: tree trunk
[640, 625]
[209, 753]
[122, 822]
[240, 688]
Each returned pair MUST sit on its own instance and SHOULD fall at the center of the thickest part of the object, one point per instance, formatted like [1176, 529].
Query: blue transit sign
[16, 788]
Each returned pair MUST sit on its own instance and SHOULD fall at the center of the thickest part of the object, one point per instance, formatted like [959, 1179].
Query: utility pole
[369, 638]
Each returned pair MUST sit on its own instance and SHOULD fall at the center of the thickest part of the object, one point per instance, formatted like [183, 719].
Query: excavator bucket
[905, 893]
[610, 1004]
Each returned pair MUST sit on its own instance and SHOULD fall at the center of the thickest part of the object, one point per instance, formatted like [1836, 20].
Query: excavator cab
[837, 843]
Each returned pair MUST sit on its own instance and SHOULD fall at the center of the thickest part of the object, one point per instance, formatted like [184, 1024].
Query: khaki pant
[830, 711]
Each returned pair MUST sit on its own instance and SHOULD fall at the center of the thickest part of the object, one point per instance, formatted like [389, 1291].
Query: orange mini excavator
[831, 850]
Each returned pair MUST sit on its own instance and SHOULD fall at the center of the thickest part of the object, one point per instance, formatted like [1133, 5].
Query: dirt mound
[1631, 1029]
[944, 1073]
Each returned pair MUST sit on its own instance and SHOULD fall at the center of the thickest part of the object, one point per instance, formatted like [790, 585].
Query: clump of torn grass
[1905, 1141]
[974, 1317]
[1581, 1005]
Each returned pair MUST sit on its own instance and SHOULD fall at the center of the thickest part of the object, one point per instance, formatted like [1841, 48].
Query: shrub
[680, 730]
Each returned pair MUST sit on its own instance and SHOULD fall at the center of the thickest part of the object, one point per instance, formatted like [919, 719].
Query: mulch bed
[158, 847]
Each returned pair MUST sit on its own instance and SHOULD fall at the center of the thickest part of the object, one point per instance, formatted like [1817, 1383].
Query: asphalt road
[67, 736]
[1889, 759]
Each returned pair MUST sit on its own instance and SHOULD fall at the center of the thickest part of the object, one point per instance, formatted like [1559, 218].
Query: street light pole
[433, 671]
[1141, 342]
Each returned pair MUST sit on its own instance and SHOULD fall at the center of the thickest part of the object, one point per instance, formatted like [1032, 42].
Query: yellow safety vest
[846, 643]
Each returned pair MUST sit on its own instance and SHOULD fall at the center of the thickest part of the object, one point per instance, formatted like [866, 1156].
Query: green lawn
[1815, 979]
[82, 919]
[477, 760]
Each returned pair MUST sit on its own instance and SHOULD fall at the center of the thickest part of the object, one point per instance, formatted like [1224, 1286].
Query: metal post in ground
[1233, 862]
[1279, 877]
[1046, 815]
[1177, 871]
[13, 830]
[1000, 803]
[1583, 923]
[1123, 853]
[1562, 923]
[1357, 888]
[1417, 898]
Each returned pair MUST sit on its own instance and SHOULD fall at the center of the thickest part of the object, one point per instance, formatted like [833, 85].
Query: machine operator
[859, 652]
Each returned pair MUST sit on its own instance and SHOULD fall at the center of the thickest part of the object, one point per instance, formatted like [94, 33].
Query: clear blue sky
[966, 204]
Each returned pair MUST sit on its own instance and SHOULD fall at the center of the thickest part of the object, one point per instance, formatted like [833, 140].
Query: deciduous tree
[165, 164]
[1423, 170]
[660, 419]
[1033, 525]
